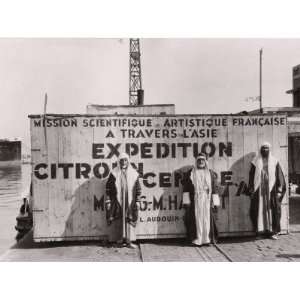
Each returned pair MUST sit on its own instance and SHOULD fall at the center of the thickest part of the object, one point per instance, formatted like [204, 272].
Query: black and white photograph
[150, 150]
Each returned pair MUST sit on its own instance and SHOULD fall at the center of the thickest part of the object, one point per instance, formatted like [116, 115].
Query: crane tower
[136, 93]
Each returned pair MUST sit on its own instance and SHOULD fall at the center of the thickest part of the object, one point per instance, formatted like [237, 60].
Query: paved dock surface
[7, 225]
[286, 249]
[178, 251]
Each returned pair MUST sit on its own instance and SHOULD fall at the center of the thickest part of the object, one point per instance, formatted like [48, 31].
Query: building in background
[293, 120]
[10, 151]
[152, 109]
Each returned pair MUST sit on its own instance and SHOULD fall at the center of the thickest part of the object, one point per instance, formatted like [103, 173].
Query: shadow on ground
[233, 240]
[179, 242]
[27, 242]
[288, 255]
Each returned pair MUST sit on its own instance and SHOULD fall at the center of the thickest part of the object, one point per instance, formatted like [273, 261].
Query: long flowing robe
[267, 182]
[200, 186]
[122, 190]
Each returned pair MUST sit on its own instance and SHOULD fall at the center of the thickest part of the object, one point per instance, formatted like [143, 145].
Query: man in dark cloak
[123, 191]
[267, 188]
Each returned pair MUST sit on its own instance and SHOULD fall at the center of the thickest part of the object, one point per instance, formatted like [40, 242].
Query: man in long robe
[267, 188]
[123, 191]
[200, 198]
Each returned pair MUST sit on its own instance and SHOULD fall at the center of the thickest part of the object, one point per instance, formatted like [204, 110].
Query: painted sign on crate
[73, 155]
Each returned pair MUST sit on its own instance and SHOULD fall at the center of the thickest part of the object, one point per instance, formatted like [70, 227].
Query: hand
[215, 209]
[251, 192]
[108, 206]
[186, 206]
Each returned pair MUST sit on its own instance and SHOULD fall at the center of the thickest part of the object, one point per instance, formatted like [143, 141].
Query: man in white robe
[200, 199]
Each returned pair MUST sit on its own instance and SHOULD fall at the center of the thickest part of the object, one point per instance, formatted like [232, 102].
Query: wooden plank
[250, 147]
[97, 187]
[40, 187]
[280, 151]
[56, 189]
[220, 164]
[165, 218]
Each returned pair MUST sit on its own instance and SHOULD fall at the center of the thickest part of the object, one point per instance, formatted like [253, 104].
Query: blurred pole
[260, 80]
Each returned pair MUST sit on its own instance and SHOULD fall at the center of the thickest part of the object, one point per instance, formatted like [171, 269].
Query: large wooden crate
[73, 154]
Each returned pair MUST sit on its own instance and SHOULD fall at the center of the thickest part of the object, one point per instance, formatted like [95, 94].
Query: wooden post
[45, 103]
[45, 127]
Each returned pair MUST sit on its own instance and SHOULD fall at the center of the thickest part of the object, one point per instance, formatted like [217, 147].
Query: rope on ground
[140, 252]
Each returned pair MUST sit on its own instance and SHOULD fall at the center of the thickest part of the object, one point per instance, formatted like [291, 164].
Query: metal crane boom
[136, 93]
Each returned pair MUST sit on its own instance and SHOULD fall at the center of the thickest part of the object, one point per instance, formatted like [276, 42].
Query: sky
[197, 75]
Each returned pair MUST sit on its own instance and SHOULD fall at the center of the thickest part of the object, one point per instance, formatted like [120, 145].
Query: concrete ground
[7, 225]
[286, 249]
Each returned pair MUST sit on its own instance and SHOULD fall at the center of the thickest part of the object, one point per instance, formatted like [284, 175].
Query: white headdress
[266, 144]
[123, 156]
[258, 163]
